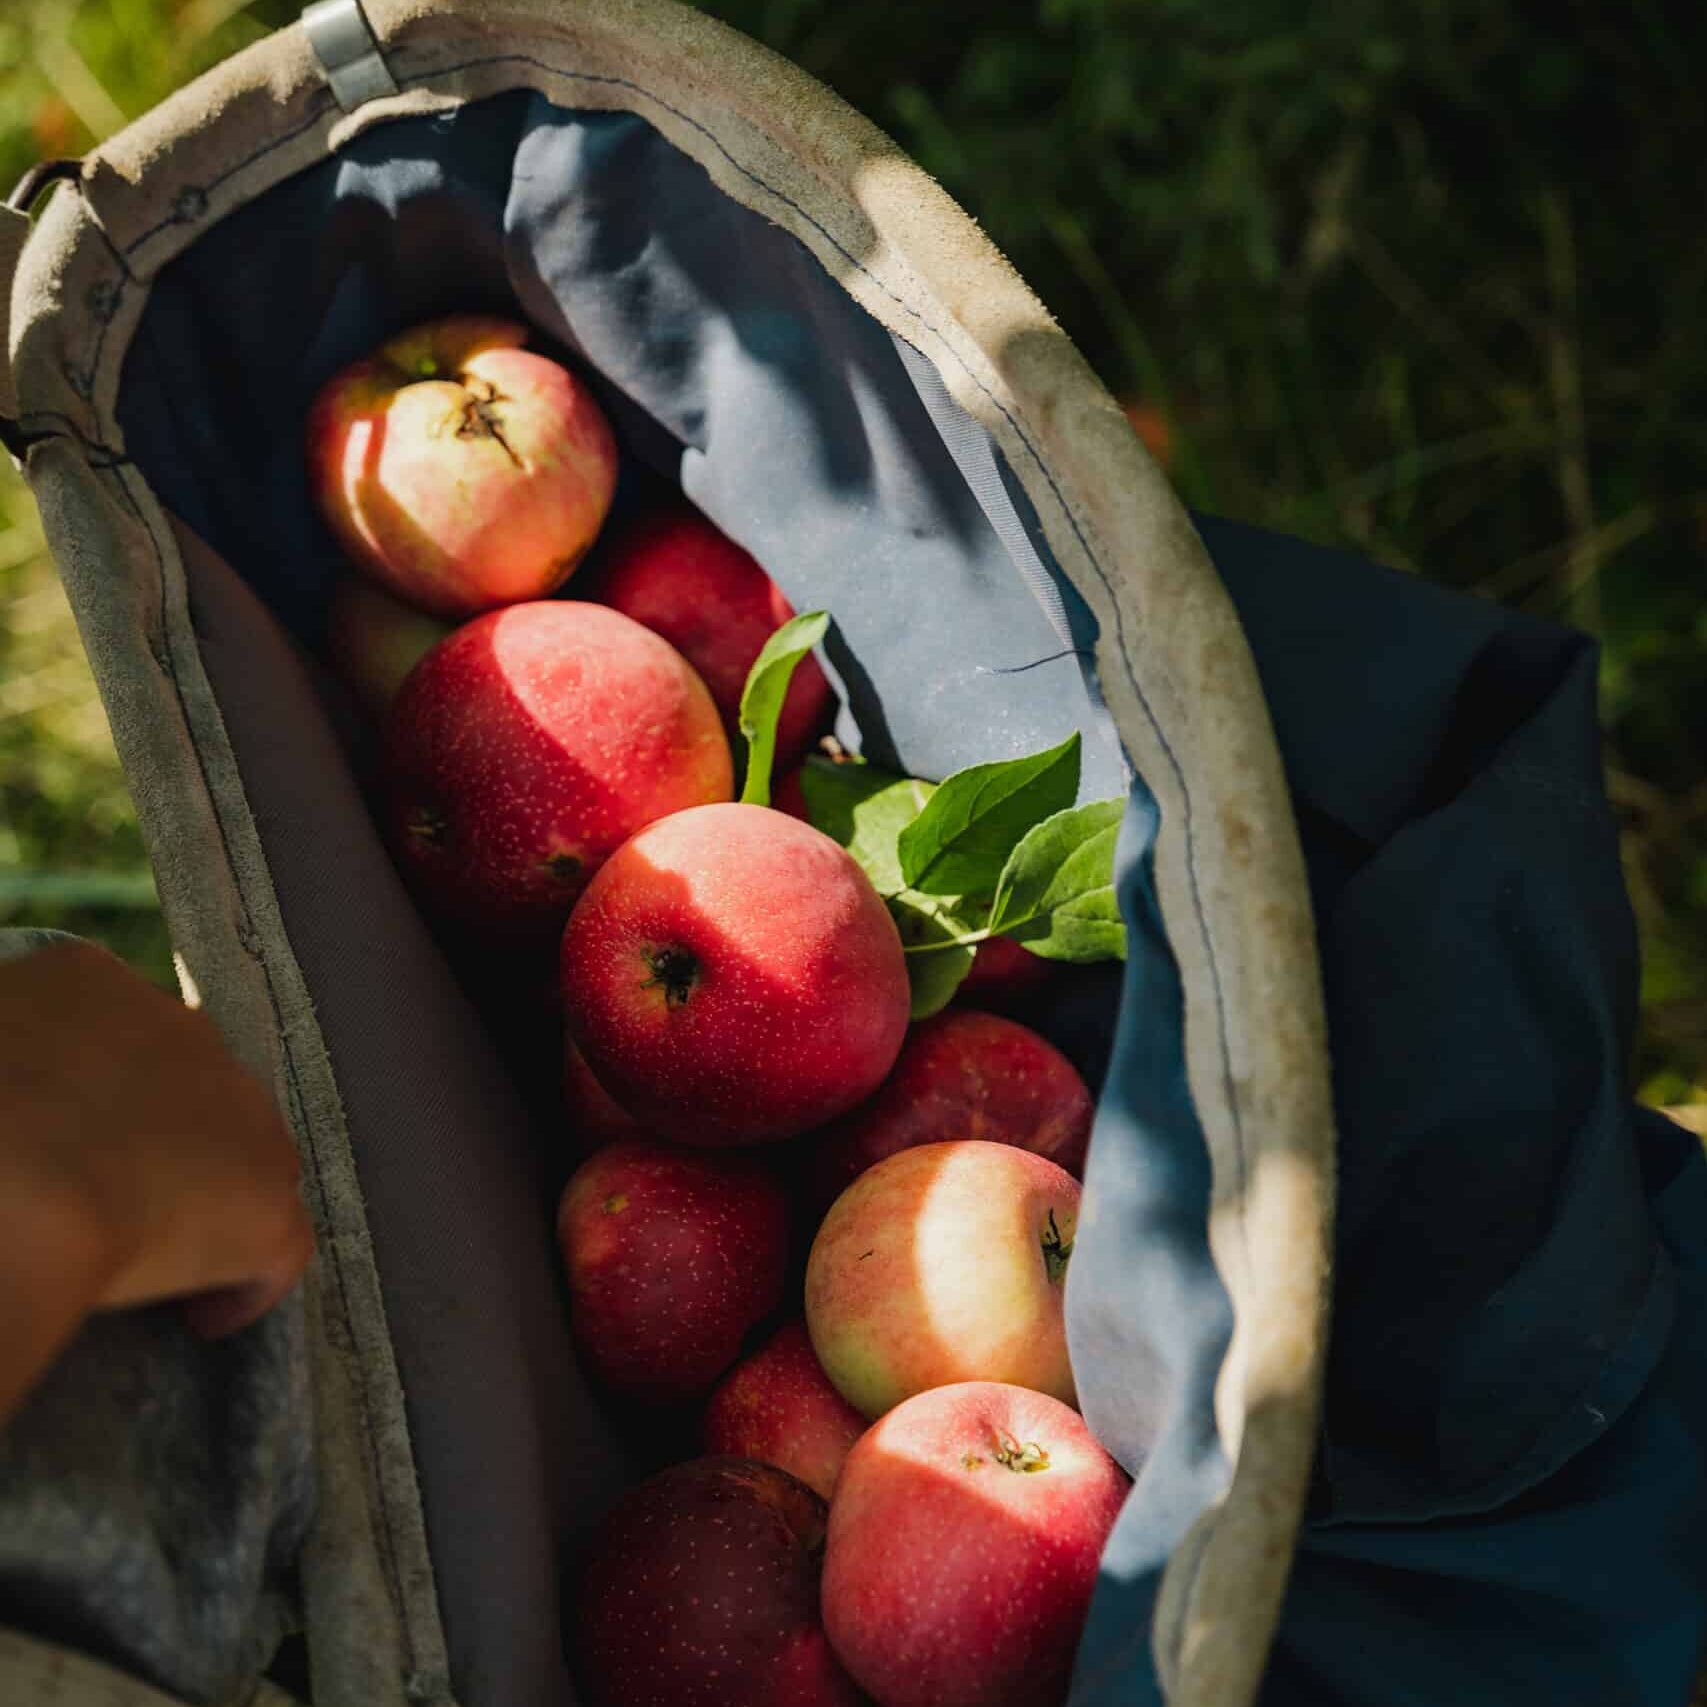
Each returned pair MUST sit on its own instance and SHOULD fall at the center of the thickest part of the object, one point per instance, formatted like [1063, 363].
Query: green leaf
[937, 975]
[767, 687]
[865, 809]
[1056, 893]
[958, 844]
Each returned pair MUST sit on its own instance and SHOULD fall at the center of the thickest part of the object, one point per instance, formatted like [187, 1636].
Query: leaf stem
[949, 942]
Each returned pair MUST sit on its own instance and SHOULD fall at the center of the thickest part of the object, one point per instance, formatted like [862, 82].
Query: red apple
[1003, 973]
[528, 746]
[963, 1074]
[672, 1255]
[732, 977]
[778, 1406]
[596, 1118]
[460, 470]
[701, 1590]
[788, 796]
[677, 574]
[373, 641]
[944, 1263]
[963, 1548]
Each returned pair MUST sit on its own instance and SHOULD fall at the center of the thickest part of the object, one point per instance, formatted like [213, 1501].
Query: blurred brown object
[54, 127]
[1152, 426]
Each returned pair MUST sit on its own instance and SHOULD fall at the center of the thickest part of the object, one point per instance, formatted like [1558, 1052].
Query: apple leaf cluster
[994, 850]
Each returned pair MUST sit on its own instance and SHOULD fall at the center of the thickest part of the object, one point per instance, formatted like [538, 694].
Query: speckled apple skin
[798, 1002]
[701, 1590]
[952, 1579]
[931, 1268]
[962, 1074]
[460, 470]
[684, 579]
[671, 1255]
[529, 745]
[778, 1406]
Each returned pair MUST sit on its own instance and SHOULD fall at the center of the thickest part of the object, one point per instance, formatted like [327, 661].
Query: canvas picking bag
[790, 320]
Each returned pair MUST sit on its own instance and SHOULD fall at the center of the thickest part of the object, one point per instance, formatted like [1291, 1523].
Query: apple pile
[823, 1185]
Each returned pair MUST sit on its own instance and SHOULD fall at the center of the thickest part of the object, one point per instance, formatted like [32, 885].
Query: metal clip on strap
[349, 55]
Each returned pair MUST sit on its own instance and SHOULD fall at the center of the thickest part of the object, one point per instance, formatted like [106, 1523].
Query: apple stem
[970, 940]
[1013, 1456]
[673, 968]
[427, 825]
[481, 420]
[1056, 1250]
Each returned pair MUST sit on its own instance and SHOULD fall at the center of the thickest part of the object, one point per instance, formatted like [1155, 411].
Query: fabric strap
[14, 229]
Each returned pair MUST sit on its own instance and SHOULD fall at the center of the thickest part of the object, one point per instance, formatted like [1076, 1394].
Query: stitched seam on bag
[319, 107]
[246, 934]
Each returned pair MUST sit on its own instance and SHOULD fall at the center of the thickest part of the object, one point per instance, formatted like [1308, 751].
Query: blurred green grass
[1423, 280]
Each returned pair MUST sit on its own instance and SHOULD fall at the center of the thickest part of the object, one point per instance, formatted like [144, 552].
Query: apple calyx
[1056, 1251]
[1023, 1459]
[565, 867]
[427, 824]
[674, 970]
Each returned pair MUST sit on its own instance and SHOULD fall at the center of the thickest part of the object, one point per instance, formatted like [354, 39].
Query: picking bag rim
[1173, 662]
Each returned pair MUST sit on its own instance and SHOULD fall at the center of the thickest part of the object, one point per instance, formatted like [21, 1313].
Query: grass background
[1419, 277]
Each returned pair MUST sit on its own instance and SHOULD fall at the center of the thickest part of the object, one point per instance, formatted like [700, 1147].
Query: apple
[672, 1255]
[373, 641]
[1003, 974]
[677, 574]
[530, 744]
[963, 1074]
[460, 470]
[963, 1548]
[778, 1406]
[701, 1588]
[732, 977]
[944, 1263]
[788, 796]
[596, 1118]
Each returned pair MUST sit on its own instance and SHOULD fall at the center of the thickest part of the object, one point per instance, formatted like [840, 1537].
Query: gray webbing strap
[349, 55]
